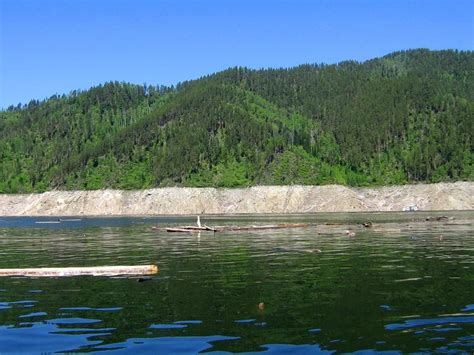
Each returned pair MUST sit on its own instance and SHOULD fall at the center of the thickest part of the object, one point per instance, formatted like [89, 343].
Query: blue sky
[55, 46]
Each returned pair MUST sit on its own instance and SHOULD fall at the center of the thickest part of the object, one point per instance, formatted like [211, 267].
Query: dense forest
[403, 118]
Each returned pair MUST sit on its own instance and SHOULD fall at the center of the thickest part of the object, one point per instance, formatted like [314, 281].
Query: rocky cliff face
[258, 199]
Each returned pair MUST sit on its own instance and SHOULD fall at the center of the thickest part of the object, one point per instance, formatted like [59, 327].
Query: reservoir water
[404, 284]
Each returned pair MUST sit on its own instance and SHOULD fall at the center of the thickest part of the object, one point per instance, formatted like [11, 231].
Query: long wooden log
[202, 228]
[195, 229]
[79, 271]
[181, 230]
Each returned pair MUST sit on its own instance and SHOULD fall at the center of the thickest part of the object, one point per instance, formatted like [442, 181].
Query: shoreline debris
[350, 233]
[205, 228]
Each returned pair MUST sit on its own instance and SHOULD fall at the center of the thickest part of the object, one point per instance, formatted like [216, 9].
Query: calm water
[404, 285]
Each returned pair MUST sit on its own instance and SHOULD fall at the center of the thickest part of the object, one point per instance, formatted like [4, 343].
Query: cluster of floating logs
[204, 228]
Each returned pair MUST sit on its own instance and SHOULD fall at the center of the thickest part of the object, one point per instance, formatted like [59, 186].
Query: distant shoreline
[257, 199]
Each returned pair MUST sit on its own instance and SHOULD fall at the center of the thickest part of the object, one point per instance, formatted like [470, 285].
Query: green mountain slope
[406, 117]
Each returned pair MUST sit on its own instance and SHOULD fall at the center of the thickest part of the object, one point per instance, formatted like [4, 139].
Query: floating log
[195, 229]
[181, 230]
[438, 218]
[187, 229]
[80, 271]
[201, 228]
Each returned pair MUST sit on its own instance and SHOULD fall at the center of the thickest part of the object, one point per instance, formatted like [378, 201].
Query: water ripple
[414, 323]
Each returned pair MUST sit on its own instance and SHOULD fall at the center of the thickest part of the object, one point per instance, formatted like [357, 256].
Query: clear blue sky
[55, 46]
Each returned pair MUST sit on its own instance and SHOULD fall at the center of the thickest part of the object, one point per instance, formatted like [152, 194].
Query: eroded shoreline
[257, 199]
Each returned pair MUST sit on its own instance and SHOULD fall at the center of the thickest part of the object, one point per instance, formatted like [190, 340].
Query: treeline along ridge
[403, 118]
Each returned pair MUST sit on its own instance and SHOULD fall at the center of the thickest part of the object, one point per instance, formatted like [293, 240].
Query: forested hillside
[406, 117]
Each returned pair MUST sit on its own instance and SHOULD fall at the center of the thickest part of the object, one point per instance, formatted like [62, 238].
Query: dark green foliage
[406, 117]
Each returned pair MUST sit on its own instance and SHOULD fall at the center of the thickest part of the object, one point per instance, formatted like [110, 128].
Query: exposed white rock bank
[257, 199]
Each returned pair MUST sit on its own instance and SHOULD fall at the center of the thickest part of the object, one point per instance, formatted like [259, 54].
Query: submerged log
[79, 271]
[264, 227]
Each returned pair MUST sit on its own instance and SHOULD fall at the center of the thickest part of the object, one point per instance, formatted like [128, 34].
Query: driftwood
[182, 230]
[79, 271]
[195, 229]
[438, 218]
[189, 229]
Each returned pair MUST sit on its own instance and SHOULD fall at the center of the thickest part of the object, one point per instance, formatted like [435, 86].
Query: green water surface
[403, 285]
